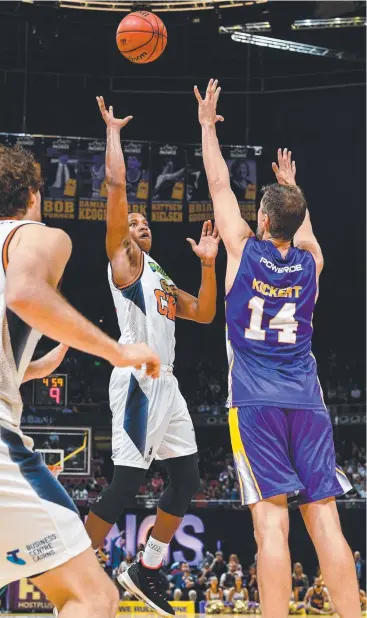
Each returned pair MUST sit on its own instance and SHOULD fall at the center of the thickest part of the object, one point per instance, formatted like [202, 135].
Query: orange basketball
[141, 37]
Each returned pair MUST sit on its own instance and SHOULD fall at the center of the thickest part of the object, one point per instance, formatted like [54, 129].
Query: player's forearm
[47, 364]
[115, 164]
[207, 297]
[305, 231]
[40, 306]
[215, 166]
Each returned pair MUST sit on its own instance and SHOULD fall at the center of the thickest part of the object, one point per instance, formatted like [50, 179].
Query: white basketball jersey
[17, 342]
[146, 309]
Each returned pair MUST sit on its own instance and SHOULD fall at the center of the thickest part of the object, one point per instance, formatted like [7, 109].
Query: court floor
[129, 615]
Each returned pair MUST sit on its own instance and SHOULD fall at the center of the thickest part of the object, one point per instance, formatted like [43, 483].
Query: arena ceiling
[156, 5]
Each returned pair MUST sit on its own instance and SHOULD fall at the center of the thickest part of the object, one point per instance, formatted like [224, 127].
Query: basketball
[141, 37]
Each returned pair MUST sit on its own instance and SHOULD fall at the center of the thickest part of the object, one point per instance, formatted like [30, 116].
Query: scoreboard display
[51, 391]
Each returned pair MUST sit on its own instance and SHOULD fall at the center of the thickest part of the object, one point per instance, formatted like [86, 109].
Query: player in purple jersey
[280, 429]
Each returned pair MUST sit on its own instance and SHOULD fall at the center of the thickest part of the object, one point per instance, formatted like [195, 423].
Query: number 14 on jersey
[284, 322]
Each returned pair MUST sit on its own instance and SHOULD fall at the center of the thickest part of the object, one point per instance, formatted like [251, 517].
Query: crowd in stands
[226, 584]
[219, 485]
[204, 382]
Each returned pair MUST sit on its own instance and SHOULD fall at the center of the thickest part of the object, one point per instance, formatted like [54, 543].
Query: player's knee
[119, 494]
[99, 596]
[105, 601]
[177, 594]
[184, 474]
[184, 479]
[190, 482]
[192, 595]
[274, 529]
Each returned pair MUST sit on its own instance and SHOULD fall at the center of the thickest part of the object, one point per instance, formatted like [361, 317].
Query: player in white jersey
[41, 535]
[150, 420]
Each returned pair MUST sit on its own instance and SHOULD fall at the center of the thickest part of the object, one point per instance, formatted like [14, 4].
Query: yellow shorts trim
[238, 447]
[341, 472]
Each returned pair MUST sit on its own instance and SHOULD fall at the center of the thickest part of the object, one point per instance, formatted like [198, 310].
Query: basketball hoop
[55, 470]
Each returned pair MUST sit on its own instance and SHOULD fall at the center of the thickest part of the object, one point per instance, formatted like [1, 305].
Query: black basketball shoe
[147, 585]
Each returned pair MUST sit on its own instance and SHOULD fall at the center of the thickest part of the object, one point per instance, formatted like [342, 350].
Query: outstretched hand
[208, 106]
[285, 171]
[108, 116]
[207, 249]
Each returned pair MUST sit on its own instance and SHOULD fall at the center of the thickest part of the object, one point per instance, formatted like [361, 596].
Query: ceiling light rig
[126, 6]
[239, 34]
[335, 22]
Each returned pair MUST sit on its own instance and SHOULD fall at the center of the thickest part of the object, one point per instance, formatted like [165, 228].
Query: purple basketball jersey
[269, 320]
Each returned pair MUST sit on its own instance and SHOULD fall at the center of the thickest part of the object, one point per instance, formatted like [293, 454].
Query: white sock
[154, 553]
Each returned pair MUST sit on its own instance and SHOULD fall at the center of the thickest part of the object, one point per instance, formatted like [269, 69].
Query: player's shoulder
[41, 240]
[32, 230]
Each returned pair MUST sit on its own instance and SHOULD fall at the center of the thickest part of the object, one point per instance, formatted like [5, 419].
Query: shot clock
[51, 391]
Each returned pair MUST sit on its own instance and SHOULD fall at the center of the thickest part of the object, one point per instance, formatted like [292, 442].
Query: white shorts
[40, 527]
[150, 419]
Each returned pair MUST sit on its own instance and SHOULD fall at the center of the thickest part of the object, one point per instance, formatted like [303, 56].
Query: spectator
[218, 566]
[363, 599]
[186, 592]
[234, 558]
[202, 581]
[300, 583]
[317, 599]
[128, 560]
[157, 483]
[117, 551]
[235, 492]
[360, 486]
[355, 393]
[318, 574]
[227, 580]
[253, 585]
[360, 569]
[207, 558]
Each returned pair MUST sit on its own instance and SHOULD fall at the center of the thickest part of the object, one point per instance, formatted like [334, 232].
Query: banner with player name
[137, 162]
[166, 183]
[242, 171]
[199, 203]
[91, 174]
[60, 168]
[92, 189]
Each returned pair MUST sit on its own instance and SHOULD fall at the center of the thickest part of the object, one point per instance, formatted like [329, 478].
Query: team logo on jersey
[166, 300]
[12, 556]
[158, 269]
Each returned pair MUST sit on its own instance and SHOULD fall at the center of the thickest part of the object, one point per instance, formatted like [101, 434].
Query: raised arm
[123, 253]
[37, 259]
[232, 227]
[304, 238]
[203, 308]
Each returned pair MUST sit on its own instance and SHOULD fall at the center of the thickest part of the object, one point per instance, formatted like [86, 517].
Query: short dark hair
[19, 174]
[286, 207]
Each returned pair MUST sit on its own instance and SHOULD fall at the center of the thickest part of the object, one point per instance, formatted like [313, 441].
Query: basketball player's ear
[32, 199]
[266, 221]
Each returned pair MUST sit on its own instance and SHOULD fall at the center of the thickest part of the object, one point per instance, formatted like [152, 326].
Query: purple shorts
[281, 451]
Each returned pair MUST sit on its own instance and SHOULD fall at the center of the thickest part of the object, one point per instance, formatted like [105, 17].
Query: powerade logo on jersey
[282, 269]
[13, 557]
